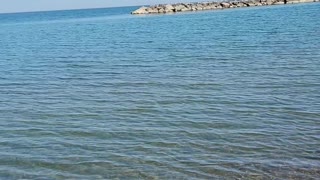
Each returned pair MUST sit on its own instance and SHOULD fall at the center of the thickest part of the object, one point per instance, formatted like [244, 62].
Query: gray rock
[142, 10]
[240, 4]
[185, 9]
[251, 4]
[168, 8]
[225, 5]
[278, 3]
[161, 10]
[268, 2]
[152, 10]
[181, 7]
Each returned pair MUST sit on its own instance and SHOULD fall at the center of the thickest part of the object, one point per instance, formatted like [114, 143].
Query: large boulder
[225, 5]
[239, 4]
[161, 10]
[179, 7]
[251, 4]
[188, 8]
[152, 10]
[199, 6]
[208, 7]
[269, 2]
[142, 10]
[278, 3]
[168, 8]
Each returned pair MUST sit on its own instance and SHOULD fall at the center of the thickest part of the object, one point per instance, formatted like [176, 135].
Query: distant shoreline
[201, 6]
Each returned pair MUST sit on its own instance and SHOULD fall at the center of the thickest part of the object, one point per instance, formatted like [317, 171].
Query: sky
[7, 6]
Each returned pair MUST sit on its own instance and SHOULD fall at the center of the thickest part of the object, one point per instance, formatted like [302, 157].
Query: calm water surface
[101, 94]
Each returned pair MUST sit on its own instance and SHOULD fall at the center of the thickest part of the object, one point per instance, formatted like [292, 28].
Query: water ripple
[98, 94]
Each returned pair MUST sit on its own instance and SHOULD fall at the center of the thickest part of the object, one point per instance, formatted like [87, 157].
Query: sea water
[102, 94]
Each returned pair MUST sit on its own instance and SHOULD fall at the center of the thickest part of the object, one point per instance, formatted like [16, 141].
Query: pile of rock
[182, 7]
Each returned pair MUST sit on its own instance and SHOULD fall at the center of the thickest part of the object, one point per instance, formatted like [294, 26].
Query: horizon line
[72, 9]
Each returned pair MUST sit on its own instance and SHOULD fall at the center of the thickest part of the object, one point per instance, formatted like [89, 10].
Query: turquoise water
[102, 94]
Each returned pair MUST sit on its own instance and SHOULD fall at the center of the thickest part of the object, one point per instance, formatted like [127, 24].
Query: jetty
[200, 6]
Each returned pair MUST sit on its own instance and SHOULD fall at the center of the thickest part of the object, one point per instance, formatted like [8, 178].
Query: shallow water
[96, 94]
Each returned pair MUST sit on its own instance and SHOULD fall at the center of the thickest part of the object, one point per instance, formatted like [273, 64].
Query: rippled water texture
[97, 94]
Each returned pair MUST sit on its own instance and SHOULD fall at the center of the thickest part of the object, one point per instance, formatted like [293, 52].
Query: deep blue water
[102, 94]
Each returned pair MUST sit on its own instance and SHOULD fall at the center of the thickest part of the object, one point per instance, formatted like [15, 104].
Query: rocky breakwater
[182, 7]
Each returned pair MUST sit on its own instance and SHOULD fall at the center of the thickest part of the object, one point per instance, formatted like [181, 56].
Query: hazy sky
[41, 5]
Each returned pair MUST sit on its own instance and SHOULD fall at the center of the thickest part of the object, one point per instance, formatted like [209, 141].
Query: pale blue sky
[42, 5]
